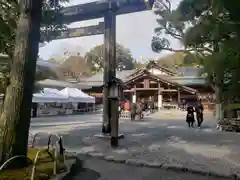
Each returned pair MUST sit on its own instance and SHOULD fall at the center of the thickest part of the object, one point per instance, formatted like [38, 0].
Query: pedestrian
[133, 111]
[139, 109]
[190, 116]
[184, 104]
[199, 112]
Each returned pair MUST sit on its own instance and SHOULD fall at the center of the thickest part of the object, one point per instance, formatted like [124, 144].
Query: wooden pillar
[170, 95]
[109, 64]
[134, 96]
[146, 83]
[179, 97]
[159, 97]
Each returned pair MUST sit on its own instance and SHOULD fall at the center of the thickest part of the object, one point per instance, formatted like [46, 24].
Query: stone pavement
[95, 169]
[163, 143]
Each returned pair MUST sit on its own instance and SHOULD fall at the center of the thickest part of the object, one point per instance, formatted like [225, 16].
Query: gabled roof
[153, 64]
[163, 79]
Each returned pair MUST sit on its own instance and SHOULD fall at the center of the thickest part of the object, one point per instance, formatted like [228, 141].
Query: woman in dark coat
[190, 116]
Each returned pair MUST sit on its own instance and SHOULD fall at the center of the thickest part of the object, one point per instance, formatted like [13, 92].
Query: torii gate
[108, 9]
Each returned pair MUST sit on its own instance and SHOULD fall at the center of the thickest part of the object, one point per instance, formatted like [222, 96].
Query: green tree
[218, 30]
[210, 29]
[95, 57]
[139, 65]
[20, 20]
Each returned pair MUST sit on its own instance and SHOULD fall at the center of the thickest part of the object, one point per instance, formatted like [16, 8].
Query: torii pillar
[109, 64]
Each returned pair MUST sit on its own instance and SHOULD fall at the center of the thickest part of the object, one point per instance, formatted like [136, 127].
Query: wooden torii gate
[108, 9]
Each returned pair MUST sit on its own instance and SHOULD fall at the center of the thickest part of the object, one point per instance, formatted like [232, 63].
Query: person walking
[190, 116]
[199, 112]
[139, 109]
[133, 111]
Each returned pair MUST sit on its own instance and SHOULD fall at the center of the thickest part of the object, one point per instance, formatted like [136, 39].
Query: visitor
[133, 111]
[190, 116]
[184, 103]
[127, 105]
[139, 109]
[199, 112]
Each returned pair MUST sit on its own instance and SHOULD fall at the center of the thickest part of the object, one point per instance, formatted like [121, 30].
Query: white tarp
[50, 95]
[76, 95]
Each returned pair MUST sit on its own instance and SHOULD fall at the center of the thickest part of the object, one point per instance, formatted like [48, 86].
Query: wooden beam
[169, 90]
[96, 94]
[97, 9]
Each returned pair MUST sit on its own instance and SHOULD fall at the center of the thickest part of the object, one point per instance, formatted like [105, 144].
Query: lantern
[115, 89]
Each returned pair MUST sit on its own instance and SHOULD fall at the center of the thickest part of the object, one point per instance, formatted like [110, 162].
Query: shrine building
[167, 87]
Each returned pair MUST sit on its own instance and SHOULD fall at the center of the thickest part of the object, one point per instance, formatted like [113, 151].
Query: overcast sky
[134, 31]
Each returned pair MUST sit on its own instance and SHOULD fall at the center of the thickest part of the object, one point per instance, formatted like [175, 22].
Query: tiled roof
[97, 79]
[188, 71]
[189, 80]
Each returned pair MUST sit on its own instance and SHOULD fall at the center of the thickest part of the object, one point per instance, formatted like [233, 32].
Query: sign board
[79, 32]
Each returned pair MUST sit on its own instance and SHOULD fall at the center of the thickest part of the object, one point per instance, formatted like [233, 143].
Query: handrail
[60, 142]
[36, 159]
[34, 137]
[50, 138]
[61, 151]
[10, 159]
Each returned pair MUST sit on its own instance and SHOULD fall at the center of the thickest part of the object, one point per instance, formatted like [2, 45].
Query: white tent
[50, 95]
[52, 91]
[76, 95]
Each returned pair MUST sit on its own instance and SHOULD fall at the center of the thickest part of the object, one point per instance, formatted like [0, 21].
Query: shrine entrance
[108, 10]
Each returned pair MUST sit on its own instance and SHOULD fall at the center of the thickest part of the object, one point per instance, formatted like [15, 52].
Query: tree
[178, 59]
[75, 67]
[95, 57]
[138, 65]
[10, 12]
[217, 30]
[19, 20]
[209, 28]
[173, 23]
[52, 60]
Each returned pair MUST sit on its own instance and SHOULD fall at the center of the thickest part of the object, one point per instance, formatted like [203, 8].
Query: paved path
[159, 141]
[95, 169]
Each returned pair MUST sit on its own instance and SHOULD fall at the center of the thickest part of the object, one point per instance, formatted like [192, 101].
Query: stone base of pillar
[108, 136]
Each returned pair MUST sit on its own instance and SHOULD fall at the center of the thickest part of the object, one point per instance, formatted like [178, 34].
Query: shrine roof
[97, 79]
[162, 78]
[188, 71]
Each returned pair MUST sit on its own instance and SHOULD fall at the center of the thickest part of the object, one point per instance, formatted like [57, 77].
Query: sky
[134, 31]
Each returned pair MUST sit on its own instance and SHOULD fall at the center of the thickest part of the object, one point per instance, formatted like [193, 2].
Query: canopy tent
[52, 91]
[49, 96]
[76, 95]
